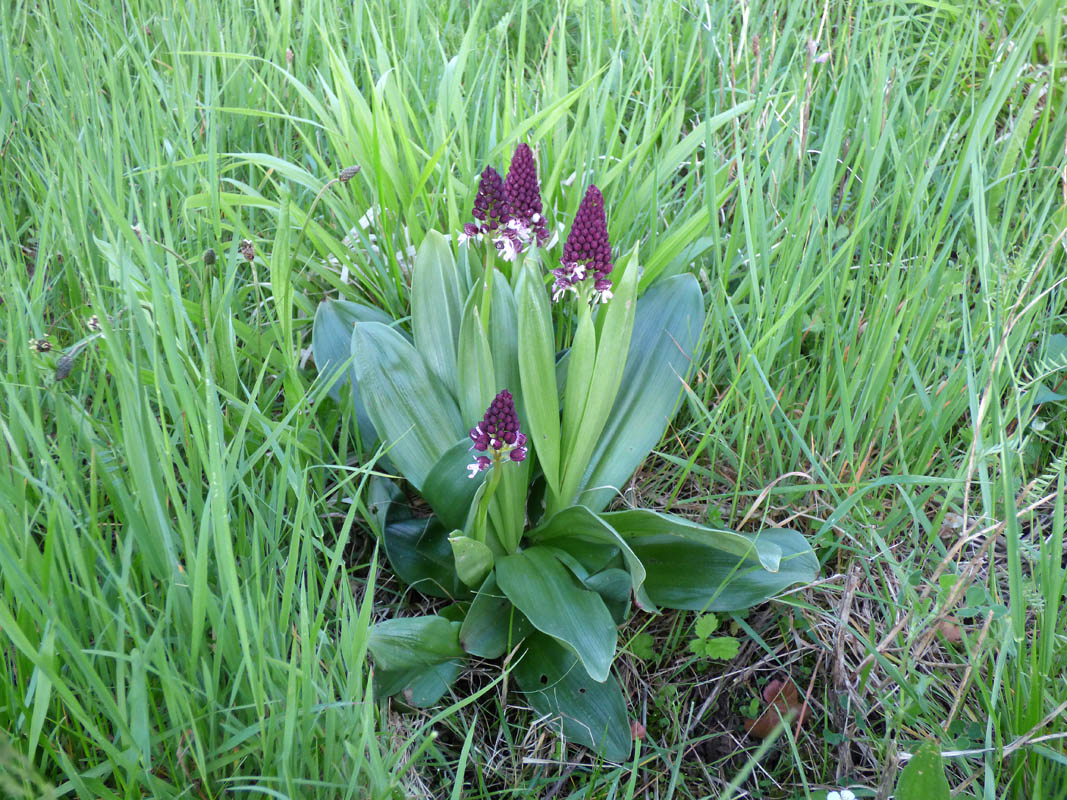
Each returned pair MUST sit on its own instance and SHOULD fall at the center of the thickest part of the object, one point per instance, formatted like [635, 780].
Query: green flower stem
[487, 289]
[492, 481]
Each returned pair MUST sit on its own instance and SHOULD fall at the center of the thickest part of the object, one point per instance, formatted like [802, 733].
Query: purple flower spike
[523, 194]
[497, 434]
[587, 249]
[490, 206]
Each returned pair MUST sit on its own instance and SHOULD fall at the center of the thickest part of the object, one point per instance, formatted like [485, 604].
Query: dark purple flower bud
[498, 434]
[588, 249]
[490, 205]
[523, 193]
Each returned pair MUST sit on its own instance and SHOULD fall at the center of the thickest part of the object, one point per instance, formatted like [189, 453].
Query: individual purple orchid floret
[490, 206]
[497, 434]
[587, 250]
[523, 194]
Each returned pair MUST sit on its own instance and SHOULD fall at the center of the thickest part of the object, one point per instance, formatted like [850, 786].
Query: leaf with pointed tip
[666, 332]
[643, 521]
[331, 347]
[436, 305]
[591, 713]
[537, 373]
[412, 412]
[477, 382]
[612, 345]
[578, 524]
[557, 604]
[684, 574]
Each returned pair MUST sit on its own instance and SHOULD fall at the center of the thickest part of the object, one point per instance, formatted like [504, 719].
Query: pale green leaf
[537, 373]
[415, 416]
[436, 306]
[666, 332]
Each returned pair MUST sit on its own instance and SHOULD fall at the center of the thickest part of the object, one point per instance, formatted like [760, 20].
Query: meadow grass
[872, 195]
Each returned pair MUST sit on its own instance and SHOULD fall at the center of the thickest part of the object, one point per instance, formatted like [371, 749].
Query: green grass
[186, 577]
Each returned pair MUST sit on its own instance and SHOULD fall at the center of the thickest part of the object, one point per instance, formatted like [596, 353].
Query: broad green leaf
[492, 625]
[419, 686]
[418, 549]
[449, 488]
[537, 373]
[681, 573]
[398, 644]
[409, 407]
[591, 713]
[666, 333]
[473, 559]
[581, 360]
[924, 775]
[613, 585]
[579, 524]
[436, 305]
[613, 344]
[331, 346]
[477, 383]
[504, 344]
[557, 604]
[643, 521]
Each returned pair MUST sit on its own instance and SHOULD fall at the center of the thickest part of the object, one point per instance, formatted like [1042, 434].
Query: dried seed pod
[248, 250]
[347, 174]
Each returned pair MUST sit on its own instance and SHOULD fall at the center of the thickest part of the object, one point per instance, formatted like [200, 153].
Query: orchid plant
[519, 405]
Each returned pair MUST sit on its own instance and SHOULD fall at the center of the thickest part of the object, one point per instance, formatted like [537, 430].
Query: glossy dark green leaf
[419, 686]
[420, 555]
[415, 416]
[436, 306]
[331, 347]
[681, 573]
[449, 489]
[643, 521]
[666, 332]
[492, 625]
[588, 712]
[579, 524]
[557, 604]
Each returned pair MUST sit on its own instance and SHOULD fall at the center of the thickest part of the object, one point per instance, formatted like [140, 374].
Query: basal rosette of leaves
[521, 543]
